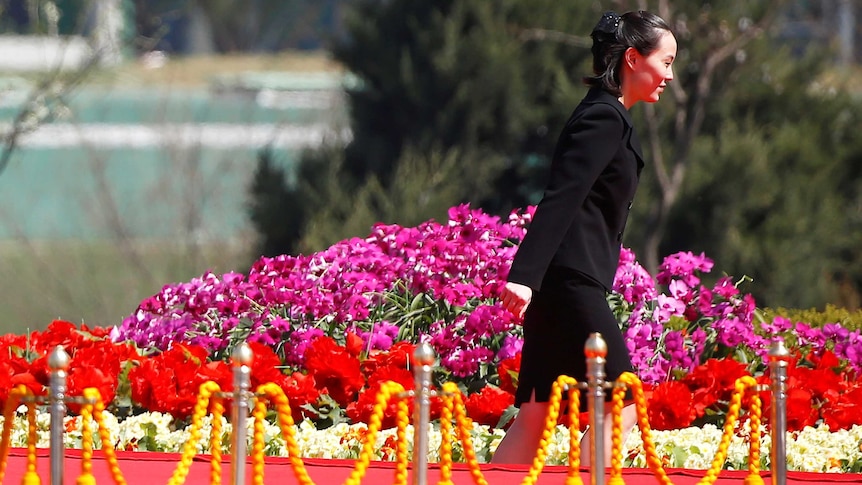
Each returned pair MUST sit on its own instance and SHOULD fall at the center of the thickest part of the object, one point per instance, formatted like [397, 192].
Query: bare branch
[50, 91]
[538, 34]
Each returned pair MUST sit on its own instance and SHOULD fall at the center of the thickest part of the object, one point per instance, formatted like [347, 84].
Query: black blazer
[594, 173]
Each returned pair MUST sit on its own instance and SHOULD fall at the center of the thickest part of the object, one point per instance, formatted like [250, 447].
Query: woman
[566, 263]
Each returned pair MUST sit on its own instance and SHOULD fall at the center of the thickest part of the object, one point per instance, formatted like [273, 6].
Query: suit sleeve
[588, 146]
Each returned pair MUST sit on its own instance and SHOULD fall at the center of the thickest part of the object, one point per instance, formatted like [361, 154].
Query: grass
[97, 283]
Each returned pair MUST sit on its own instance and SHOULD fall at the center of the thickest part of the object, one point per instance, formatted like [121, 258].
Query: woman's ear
[631, 56]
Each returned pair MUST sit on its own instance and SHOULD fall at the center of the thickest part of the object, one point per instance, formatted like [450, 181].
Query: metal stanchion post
[778, 362]
[423, 360]
[595, 351]
[241, 361]
[58, 363]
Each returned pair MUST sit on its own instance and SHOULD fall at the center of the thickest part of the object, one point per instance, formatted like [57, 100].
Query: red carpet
[147, 468]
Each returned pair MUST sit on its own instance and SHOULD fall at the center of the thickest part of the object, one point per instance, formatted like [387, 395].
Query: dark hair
[616, 33]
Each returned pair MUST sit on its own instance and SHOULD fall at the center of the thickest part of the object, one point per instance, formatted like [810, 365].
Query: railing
[246, 403]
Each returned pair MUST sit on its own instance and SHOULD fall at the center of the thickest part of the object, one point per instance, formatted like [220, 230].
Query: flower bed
[331, 326]
[813, 449]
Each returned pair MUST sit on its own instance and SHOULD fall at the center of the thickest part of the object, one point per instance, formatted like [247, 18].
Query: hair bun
[608, 24]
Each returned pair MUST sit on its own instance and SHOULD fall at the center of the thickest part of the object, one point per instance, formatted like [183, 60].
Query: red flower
[824, 384]
[334, 369]
[399, 355]
[83, 377]
[301, 391]
[354, 344]
[843, 411]
[508, 371]
[15, 370]
[712, 382]
[26, 378]
[97, 354]
[488, 405]
[265, 367]
[59, 332]
[671, 406]
[170, 382]
[363, 408]
[800, 409]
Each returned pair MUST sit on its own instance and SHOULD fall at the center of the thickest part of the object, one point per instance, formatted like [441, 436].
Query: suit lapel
[598, 95]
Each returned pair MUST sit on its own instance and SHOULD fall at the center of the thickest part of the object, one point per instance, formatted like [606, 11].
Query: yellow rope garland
[756, 410]
[652, 458]
[276, 395]
[92, 395]
[217, 407]
[463, 425]
[453, 409]
[207, 390]
[8, 419]
[616, 476]
[387, 390]
[31, 477]
[258, 441]
[402, 419]
[573, 477]
[86, 477]
[448, 402]
[743, 384]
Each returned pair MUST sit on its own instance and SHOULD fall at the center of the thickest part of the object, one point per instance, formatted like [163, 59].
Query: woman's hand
[516, 298]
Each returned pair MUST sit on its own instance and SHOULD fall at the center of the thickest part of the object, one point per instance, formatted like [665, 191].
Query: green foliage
[458, 101]
[462, 100]
[272, 207]
[772, 183]
[849, 319]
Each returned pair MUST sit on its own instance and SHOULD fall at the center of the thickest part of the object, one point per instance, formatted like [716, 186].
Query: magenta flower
[439, 283]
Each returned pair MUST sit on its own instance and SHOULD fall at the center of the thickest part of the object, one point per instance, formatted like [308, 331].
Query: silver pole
[241, 361]
[595, 351]
[423, 359]
[778, 362]
[58, 362]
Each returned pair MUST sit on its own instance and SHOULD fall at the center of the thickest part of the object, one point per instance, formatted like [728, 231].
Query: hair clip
[608, 23]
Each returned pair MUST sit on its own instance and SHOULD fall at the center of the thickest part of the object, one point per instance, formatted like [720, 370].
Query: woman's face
[649, 74]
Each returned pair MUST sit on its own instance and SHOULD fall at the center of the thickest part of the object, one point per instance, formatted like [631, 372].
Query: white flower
[813, 449]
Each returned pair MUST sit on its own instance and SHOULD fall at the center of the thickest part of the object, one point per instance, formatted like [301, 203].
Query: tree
[765, 184]
[467, 84]
[744, 153]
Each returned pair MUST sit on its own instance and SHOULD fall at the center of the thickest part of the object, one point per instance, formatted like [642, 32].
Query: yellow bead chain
[402, 419]
[729, 425]
[31, 477]
[448, 402]
[92, 395]
[387, 390]
[756, 411]
[573, 477]
[616, 476]
[553, 416]
[86, 477]
[464, 427]
[741, 387]
[258, 441]
[652, 458]
[217, 409]
[8, 420]
[285, 420]
[207, 390]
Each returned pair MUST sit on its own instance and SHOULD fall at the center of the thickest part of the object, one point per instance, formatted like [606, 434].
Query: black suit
[594, 173]
[570, 253]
